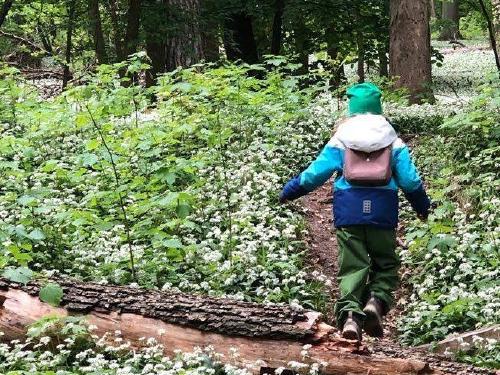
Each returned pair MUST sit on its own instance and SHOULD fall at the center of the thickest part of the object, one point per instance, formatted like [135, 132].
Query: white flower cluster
[108, 355]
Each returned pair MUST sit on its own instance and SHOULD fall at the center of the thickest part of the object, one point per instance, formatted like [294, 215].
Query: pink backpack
[368, 168]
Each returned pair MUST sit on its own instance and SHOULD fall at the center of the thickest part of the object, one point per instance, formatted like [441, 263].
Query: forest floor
[322, 256]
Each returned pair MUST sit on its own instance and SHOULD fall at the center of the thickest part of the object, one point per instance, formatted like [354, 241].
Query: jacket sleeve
[319, 171]
[409, 181]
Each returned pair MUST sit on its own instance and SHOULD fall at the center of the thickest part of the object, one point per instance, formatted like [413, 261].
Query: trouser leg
[384, 279]
[354, 269]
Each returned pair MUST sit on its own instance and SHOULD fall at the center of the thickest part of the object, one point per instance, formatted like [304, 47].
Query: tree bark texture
[410, 48]
[71, 7]
[451, 15]
[264, 336]
[184, 44]
[277, 36]
[495, 4]
[96, 30]
[7, 4]
[432, 4]
[239, 39]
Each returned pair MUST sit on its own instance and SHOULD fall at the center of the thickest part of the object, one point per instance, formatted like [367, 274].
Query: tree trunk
[410, 48]
[432, 4]
[7, 4]
[184, 45]
[70, 5]
[266, 337]
[495, 4]
[450, 14]
[491, 28]
[155, 27]
[132, 32]
[383, 70]
[361, 59]
[115, 24]
[96, 30]
[277, 27]
[302, 44]
[337, 68]
[239, 39]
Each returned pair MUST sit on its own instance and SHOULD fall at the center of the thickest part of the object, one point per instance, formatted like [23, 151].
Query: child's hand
[282, 199]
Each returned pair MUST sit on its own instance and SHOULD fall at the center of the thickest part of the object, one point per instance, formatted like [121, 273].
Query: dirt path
[322, 257]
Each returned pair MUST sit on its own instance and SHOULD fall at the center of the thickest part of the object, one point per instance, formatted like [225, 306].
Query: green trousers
[367, 263]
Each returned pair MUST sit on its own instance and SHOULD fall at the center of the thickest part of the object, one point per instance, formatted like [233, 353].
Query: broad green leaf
[52, 293]
[183, 210]
[21, 275]
[172, 243]
[89, 160]
[93, 144]
[36, 235]
[27, 200]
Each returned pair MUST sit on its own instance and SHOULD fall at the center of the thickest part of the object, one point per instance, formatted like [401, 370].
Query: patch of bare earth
[322, 257]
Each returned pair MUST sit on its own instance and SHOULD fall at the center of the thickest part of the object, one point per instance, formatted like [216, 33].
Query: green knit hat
[364, 98]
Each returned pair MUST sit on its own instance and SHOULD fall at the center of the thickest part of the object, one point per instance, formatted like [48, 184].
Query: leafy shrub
[104, 184]
[456, 253]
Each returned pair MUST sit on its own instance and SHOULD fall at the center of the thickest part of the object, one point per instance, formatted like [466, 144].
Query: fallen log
[265, 336]
[458, 341]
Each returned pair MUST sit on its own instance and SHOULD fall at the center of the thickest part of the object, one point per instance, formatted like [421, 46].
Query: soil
[322, 257]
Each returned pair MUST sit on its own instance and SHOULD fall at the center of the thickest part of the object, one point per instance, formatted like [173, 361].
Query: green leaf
[172, 244]
[27, 200]
[36, 235]
[18, 275]
[93, 144]
[183, 210]
[89, 160]
[52, 294]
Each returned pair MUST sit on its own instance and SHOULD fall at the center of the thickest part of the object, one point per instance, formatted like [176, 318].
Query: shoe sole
[373, 324]
[351, 335]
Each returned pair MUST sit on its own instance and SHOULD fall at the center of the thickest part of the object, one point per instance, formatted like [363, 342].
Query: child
[366, 217]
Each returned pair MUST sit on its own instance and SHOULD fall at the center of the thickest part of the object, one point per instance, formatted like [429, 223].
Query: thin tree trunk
[184, 45]
[96, 30]
[496, 22]
[302, 43]
[239, 39]
[337, 69]
[70, 5]
[7, 4]
[361, 59]
[277, 27]
[132, 32]
[210, 44]
[383, 70]
[491, 31]
[451, 15]
[432, 4]
[410, 48]
[155, 31]
[115, 22]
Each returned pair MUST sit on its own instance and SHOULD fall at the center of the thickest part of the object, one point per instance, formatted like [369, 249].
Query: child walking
[365, 207]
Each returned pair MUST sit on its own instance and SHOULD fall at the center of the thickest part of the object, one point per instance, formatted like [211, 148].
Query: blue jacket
[358, 205]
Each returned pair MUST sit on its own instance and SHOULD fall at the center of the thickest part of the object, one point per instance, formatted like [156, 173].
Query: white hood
[366, 133]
